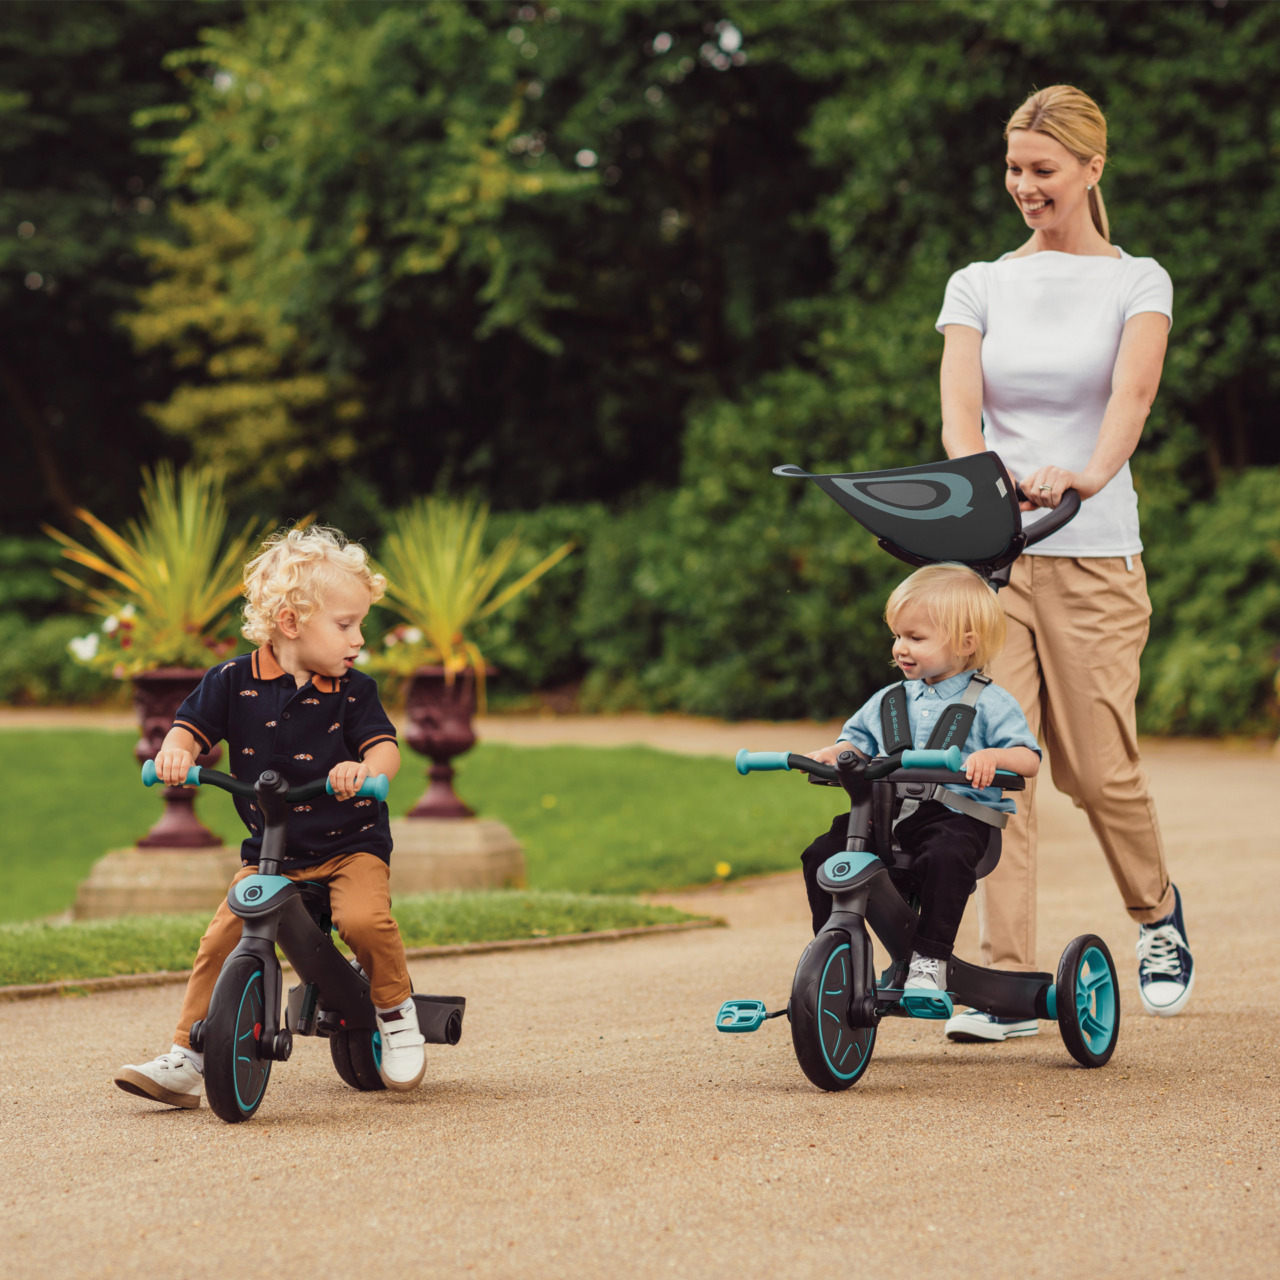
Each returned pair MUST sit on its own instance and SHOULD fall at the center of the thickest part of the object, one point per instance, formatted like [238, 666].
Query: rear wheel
[235, 1075]
[831, 1053]
[357, 1055]
[1087, 995]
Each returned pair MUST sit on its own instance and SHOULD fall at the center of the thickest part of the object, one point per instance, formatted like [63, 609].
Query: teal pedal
[927, 1004]
[741, 1015]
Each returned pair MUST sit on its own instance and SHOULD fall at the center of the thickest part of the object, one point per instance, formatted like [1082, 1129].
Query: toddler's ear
[969, 644]
[287, 623]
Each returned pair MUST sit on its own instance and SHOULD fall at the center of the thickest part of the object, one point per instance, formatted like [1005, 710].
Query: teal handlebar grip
[948, 759]
[150, 777]
[760, 761]
[376, 788]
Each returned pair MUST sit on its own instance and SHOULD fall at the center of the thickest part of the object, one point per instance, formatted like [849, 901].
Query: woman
[1052, 358]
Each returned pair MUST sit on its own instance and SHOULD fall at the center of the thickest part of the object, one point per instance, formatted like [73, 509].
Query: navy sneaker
[973, 1025]
[1166, 972]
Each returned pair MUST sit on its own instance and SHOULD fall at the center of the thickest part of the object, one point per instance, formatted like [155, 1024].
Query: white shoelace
[924, 967]
[1158, 951]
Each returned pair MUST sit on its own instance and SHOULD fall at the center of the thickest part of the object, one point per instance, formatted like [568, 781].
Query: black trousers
[947, 847]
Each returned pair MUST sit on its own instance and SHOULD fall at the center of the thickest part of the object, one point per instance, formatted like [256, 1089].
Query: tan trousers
[360, 902]
[1076, 633]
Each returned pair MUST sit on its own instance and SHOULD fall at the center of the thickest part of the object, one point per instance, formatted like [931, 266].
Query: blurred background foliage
[604, 264]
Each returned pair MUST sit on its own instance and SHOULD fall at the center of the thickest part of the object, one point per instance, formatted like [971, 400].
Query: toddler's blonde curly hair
[960, 603]
[293, 571]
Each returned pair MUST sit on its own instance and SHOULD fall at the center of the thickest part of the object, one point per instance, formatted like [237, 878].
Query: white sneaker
[924, 994]
[973, 1025]
[172, 1078]
[403, 1062]
[1166, 972]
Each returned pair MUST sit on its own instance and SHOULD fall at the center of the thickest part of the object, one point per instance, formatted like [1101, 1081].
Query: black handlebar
[295, 795]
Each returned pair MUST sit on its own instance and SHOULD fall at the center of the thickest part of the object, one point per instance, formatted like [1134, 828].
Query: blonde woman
[1052, 358]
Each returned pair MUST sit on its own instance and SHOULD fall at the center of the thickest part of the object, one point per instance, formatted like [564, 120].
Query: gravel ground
[592, 1122]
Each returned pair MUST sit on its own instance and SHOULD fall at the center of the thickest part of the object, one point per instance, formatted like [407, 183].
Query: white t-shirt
[1051, 325]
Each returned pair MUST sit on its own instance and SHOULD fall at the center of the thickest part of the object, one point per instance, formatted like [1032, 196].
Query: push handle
[150, 777]
[1066, 510]
[760, 761]
[375, 788]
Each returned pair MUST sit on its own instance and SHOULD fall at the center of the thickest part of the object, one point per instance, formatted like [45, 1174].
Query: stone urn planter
[157, 695]
[440, 727]
[179, 865]
[441, 844]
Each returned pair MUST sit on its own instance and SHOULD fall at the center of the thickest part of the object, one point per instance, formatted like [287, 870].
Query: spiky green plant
[441, 580]
[172, 576]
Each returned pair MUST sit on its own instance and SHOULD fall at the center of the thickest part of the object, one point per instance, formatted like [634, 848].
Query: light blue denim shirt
[999, 722]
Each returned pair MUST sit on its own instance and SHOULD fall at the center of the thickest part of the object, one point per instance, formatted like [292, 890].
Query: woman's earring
[1088, 186]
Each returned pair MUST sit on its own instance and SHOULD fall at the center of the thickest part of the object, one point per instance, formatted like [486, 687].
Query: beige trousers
[360, 903]
[1076, 633]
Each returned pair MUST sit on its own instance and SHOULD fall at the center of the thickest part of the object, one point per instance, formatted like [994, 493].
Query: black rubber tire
[1088, 1004]
[355, 1058]
[235, 1077]
[831, 1053]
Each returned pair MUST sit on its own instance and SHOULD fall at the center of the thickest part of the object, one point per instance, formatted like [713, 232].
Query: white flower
[362, 658]
[391, 640]
[111, 625]
[84, 647]
[412, 635]
[128, 611]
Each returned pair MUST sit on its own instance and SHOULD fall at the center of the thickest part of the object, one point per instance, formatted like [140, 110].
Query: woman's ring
[1046, 488]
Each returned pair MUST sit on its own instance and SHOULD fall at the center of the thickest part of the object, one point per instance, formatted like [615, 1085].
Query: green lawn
[592, 820]
[143, 944]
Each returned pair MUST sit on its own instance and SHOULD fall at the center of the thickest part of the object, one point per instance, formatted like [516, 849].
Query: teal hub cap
[844, 866]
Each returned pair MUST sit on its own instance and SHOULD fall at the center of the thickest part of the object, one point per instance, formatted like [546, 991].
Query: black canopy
[964, 509]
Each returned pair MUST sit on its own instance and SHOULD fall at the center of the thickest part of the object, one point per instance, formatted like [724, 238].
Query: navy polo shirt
[268, 722]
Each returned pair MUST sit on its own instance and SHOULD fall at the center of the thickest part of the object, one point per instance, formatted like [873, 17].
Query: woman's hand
[347, 777]
[1045, 486]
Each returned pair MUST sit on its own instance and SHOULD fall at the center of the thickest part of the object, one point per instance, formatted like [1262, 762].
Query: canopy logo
[929, 495]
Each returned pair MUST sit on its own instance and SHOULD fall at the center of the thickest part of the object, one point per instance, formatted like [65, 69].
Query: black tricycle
[242, 1034]
[966, 511]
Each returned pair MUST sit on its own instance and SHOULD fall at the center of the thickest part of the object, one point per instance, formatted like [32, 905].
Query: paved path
[593, 1123]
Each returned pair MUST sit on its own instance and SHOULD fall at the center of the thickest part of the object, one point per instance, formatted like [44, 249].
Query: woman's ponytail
[1098, 212]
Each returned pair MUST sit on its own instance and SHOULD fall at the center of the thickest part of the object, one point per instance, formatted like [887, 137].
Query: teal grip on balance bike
[760, 761]
[150, 777]
[376, 788]
[948, 759]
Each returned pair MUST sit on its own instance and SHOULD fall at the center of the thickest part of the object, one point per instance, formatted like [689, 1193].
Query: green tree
[467, 244]
[74, 192]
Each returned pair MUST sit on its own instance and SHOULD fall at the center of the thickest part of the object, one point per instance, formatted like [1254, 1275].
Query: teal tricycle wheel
[831, 1053]
[235, 1076]
[1087, 995]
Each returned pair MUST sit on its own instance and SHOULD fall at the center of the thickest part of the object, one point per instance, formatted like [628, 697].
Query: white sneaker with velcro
[403, 1062]
[173, 1078]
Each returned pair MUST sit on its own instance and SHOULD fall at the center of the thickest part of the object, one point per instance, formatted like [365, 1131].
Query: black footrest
[440, 1017]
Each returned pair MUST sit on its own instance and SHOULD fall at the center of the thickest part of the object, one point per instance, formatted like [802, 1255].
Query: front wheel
[831, 1053]
[235, 1076]
[1087, 995]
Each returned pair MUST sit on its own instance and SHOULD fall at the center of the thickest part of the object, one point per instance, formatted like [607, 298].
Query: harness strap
[894, 726]
[961, 804]
[956, 721]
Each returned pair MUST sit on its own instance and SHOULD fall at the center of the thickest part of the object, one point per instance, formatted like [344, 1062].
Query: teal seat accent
[927, 1004]
[254, 890]
[741, 1015]
[1051, 1002]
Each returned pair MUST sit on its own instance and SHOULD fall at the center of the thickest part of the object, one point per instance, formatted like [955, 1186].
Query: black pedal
[196, 1035]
